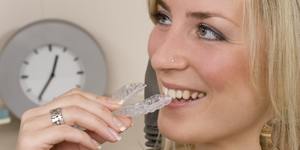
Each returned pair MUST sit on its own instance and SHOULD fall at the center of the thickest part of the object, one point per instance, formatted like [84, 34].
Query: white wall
[121, 27]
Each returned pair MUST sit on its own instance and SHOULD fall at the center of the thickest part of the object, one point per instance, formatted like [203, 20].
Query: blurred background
[121, 28]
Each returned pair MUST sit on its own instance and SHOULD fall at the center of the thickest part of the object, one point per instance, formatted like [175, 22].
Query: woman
[231, 67]
[240, 57]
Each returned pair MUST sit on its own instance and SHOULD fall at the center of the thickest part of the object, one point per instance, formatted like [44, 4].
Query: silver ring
[56, 117]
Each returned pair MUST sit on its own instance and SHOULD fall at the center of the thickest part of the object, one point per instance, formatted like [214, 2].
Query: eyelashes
[204, 31]
[210, 33]
[161, 18]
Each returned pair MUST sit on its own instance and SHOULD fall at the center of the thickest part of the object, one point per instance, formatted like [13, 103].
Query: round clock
[46, 59]
[62, 71]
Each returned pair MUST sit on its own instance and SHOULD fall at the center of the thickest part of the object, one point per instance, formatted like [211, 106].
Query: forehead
[231, 10]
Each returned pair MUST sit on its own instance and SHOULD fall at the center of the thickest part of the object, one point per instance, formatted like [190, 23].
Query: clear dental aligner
[143, 107]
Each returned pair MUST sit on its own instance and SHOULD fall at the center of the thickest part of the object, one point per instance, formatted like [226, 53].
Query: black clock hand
[50, 78]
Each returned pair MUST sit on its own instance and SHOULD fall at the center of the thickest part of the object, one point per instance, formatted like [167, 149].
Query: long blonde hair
[273, 31]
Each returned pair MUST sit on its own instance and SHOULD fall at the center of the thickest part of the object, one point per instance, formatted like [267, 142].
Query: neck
[238, 145]
[242, 140]
[246, 139]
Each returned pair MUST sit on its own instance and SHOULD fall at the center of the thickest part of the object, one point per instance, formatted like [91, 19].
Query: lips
[183, 95]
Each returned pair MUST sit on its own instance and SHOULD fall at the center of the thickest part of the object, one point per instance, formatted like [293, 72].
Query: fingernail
[114, 133]
[119, 124]
[97, 144]
[132, 122]
[115, 101]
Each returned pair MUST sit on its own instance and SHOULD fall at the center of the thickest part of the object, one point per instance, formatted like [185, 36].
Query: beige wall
[121, 27]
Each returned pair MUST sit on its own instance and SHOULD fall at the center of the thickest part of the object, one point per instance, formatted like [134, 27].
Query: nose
[168, 53]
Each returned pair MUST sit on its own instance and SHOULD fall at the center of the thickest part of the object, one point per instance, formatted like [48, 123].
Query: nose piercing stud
[172, 60]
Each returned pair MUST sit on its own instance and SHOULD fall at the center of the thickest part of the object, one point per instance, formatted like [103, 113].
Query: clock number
[26, 62]
[65, 49]
[24, 76]
[50, 47]
[28, 90]
[75, 59]
[35, 51]
[78, 86]
[80, 72]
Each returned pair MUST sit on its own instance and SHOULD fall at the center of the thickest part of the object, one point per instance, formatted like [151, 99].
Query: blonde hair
[273, 29]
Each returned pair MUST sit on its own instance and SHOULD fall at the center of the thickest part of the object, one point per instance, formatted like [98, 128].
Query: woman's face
[201, 59]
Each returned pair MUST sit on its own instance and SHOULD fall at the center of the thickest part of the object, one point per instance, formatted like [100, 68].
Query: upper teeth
[186, 94]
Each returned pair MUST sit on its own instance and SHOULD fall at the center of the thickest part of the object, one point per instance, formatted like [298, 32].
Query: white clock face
[50, 71]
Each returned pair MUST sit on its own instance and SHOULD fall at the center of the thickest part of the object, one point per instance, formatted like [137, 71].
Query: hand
[84, 109]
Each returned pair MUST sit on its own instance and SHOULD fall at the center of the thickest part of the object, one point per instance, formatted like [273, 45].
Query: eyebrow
[197, 15]
[203, 15]
[163, 5]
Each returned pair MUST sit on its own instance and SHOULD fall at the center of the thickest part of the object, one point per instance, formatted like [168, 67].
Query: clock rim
[41, 33]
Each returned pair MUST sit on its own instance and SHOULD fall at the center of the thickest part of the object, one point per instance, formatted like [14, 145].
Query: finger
[76, 113]
[127, 121]
[99, 139]
[95, 136]
[79, 91]
[75, 99]
[101, 99]
[69, 134]
[89, 112]
[76, 116]
[105, 126]
[47, 138]
[79, 97]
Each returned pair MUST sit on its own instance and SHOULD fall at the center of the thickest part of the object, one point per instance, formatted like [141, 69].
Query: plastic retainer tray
[143, 107]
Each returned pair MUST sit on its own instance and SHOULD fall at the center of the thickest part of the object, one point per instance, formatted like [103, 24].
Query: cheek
[227, 75]
[223, 69]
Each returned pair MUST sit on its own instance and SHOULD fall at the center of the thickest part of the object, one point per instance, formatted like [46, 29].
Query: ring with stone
[56, 117]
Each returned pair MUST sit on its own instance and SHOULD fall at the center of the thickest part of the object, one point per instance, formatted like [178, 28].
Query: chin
[174, 129]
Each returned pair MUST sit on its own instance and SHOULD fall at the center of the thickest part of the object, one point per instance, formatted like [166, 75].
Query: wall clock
[44, 60]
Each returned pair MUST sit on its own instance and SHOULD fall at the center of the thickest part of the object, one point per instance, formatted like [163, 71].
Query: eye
[162, 18]
[210, 33]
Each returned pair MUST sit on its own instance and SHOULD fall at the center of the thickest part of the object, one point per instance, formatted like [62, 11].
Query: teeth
[178, 94]
[172, 93]
[174, 100]
[165, 91]
[195, 95]
[201, 95]
[185, 95]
